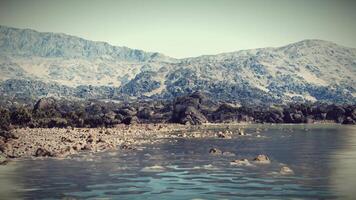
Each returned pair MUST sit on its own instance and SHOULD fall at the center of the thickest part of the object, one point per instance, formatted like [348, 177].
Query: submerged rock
[215, 151]
[286, 171]
[127, 147]
[241, 162]
[263, 159]
[241, 132]
[226, 153]
[154, 168]
[221, 135]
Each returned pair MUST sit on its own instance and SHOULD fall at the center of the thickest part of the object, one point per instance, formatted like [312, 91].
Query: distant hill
[39, 64]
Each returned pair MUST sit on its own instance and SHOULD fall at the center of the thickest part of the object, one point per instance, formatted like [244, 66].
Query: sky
[187, 28]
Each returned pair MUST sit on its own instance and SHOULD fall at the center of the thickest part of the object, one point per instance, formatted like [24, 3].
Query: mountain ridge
[308, 70]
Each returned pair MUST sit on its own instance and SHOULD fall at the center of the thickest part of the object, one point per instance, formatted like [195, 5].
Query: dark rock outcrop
[186, 109]
[40, 152]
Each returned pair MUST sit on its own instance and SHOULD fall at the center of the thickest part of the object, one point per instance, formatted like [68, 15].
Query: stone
[3, 159]
[40, 152]
[240, 132]
[241, 162]
[2, 145]
[127, 147]
[221, 135]
[215, 151]
[286, 171]
[8, 134]
[45, 103]
[87, 147]
[227, 153]
[263, 159]
[130, 120]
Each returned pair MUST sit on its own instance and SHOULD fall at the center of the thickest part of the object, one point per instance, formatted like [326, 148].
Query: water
[323, 158]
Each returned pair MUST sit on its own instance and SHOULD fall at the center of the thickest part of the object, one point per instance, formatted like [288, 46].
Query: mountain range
[36, 64]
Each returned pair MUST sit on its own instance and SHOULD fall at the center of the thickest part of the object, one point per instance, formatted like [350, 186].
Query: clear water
[323, 158]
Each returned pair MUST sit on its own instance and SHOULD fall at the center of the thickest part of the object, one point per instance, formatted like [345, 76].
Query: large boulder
[188, 115]
[335, 113]
[40, 152]
[187, 109]
[45, 103]
[127, 111]
[130, 120]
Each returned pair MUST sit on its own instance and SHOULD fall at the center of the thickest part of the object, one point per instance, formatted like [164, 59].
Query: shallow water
[323, 158]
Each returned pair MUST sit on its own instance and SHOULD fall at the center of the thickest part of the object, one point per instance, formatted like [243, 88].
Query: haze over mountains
[34, 64]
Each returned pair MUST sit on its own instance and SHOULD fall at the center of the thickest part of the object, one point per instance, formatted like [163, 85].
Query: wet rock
[221, 135]
[263, 159]
[215, 151]
[349, 120]
[286, 171]
[3, 159]
[227, 153]
[335, 113]
[241, 132]
[241, 162]
[127, 147]
[154, 168]
[40, 152]
[2, 145]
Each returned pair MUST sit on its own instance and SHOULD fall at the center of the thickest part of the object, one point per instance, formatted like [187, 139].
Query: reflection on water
[322, 156]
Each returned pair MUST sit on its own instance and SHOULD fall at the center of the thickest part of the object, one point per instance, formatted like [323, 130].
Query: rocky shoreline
[64, 142]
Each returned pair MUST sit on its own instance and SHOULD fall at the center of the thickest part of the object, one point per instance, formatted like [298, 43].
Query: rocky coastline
[60, 128]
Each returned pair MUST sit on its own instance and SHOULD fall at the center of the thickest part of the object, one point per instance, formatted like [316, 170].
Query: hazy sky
[189, 28]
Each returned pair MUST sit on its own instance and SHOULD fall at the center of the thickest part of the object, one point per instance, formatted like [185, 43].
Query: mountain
[41, 64]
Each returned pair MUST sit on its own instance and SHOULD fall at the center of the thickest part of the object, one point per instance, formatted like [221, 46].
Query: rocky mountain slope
[35, 64]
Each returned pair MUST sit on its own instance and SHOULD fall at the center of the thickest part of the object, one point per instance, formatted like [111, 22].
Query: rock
[241, 162]
[45, 103]
[215, 151]
[130, 120]
[221, 135]
[87, 147]
[335, 113]
[145, 113]
[241, 132]
[127, 147]
[349, 120]
[227, 153]
[154, 168]
[263, 159]
[2, 145]
[286, 171]
[127, 111]
[188, 115]
[40, 152]
[8, 135]
[64, 139]
[90, 138]
[3, 159]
